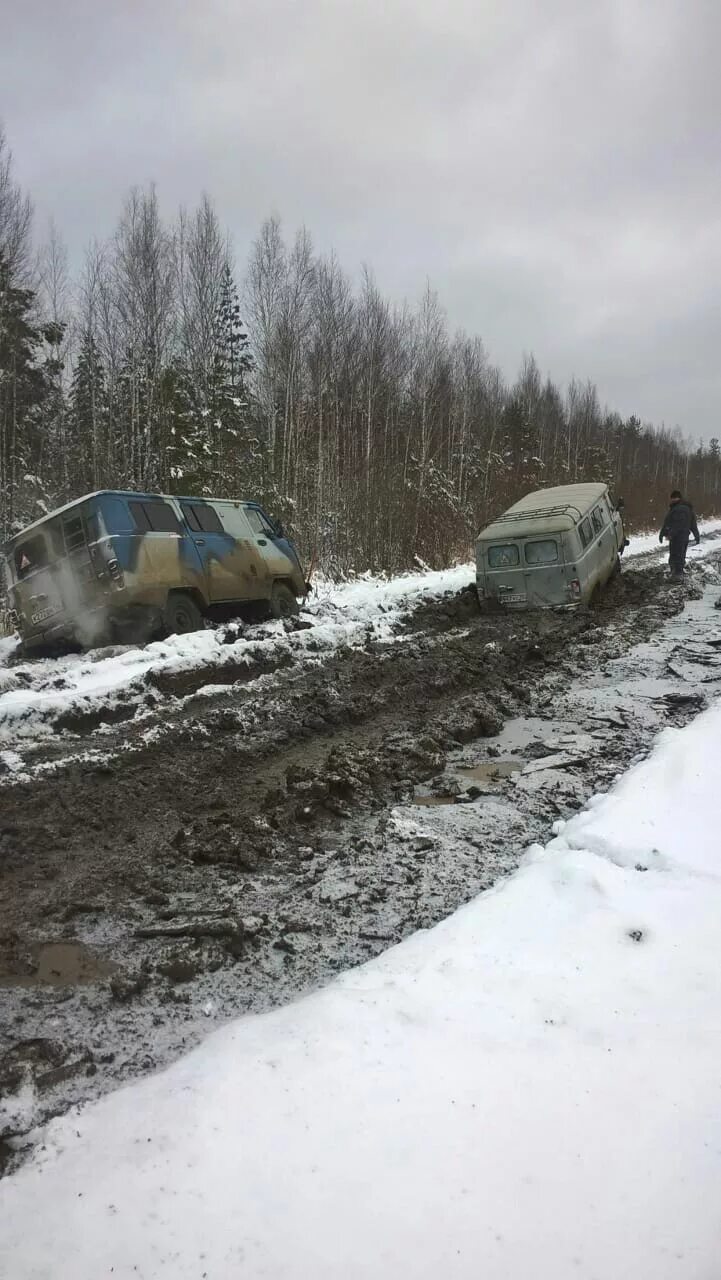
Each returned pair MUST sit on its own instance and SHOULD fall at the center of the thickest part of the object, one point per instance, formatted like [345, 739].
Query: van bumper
[66, 630]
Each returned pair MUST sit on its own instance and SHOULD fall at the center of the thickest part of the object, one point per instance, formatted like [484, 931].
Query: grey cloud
[552, 168]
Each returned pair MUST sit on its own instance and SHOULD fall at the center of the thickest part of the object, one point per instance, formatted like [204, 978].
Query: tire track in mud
[249, 851]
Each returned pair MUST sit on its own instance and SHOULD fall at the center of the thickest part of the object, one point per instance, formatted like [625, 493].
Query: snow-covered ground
[643, 544]
[34, 694]
[529, 1089]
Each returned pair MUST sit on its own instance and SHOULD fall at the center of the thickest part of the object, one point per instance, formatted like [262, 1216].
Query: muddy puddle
[491, 770]
[56, 964]
[485, 777]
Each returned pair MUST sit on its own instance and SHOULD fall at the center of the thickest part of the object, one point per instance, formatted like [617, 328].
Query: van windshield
[505, 556]
[545, 552]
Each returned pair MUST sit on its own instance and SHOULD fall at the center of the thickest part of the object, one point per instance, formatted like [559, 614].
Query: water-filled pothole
[56, 964]
[485, 778]
[491, 770]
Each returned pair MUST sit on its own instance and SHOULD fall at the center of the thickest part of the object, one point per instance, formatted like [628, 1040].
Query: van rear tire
[181, 615]
[283, 603]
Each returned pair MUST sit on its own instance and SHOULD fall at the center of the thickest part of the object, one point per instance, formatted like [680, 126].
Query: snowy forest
[377, 435]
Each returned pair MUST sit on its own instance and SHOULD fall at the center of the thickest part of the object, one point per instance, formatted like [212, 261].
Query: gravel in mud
[294, 824]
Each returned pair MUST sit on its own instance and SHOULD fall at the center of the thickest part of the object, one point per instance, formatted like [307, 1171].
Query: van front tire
[283, 603]
[181, 615]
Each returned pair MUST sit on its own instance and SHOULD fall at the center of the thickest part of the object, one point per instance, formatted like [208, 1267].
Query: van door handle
[200, 542]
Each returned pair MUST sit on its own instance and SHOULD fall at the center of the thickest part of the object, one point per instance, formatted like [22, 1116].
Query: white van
[556, 547]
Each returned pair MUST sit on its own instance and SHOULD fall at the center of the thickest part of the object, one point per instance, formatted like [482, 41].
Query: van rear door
[545, 571]
[504, 578]
[35, 594]
[53, 571]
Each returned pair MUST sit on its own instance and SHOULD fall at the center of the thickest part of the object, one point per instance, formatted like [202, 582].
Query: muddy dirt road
[262, 829]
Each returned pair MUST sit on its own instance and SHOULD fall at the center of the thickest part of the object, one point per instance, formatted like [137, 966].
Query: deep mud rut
[297, 823]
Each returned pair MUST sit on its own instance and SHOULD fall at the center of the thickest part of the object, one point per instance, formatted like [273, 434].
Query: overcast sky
[553, 166]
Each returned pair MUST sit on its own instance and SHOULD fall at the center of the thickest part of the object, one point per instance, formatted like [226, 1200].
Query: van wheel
[616, 567]
[283, 603]
[181, 615]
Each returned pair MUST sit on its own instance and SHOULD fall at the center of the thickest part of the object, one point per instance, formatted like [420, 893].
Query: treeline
[379, 437]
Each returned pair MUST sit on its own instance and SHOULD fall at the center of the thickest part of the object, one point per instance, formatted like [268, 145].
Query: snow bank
[34, 694]
[529, 1089]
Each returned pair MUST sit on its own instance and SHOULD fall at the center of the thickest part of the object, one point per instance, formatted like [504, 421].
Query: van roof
[548, 510]
[133, 494]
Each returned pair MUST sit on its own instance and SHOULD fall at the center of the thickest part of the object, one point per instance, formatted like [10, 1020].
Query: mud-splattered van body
[556, 547]
[116, 565]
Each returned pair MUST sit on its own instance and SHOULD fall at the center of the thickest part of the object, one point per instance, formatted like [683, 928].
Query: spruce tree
[27, 380]
[88, 428]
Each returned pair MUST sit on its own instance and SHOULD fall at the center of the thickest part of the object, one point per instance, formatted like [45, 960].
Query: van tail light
[115, 571]
[574, 588]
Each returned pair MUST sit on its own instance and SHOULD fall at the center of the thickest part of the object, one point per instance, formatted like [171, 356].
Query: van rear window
[545, 552]
[505, 556]
[32, 554]
[154, 517]
[584, 529]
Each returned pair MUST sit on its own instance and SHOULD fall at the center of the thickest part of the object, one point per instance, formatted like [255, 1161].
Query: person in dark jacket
[678, 526]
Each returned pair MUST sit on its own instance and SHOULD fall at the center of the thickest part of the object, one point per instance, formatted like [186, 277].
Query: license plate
[42, 614]
[516, 597]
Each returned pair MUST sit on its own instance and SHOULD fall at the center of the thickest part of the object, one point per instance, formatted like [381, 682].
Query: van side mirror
[620, 504]
[279, 530]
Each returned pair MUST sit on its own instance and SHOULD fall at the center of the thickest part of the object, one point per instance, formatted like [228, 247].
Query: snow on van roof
[554, 509]
[134, 494]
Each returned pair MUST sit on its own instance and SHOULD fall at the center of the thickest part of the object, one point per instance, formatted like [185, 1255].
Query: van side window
[236, 524]
[74, 532]
[190, 517]
[258, 523]
[545, 552]
[503, 557]
[155, 517]
[92, 526]
[584, 529]
[597, 521]
[116, 516]
[202, 519]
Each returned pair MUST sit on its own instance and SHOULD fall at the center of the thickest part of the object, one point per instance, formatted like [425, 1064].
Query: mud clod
[180, 967]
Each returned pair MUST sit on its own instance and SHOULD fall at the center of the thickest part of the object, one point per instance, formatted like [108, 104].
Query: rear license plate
[516, 597]
[42, 614]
